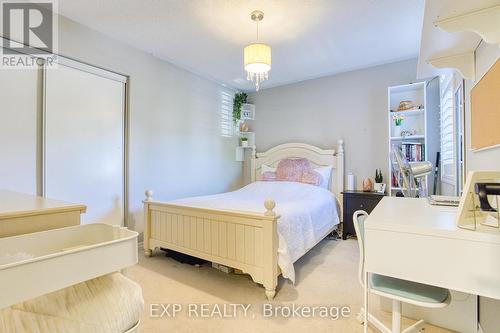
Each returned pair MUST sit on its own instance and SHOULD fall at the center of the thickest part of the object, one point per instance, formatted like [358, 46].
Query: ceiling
[309, 38]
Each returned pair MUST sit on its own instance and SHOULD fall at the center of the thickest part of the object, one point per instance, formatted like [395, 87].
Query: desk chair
[397, 290]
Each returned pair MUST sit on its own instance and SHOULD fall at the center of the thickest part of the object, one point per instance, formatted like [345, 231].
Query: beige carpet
[326, 276]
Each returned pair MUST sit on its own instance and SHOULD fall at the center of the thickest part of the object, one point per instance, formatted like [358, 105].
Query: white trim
[90, 69]
[477, 80]
[477, 150]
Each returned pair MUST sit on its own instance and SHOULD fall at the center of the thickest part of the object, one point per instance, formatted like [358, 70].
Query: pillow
[269, 176]
[326, 174]
[266, 168]
[297, 170]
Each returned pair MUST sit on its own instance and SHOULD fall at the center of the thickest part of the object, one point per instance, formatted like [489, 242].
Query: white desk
[412, 240]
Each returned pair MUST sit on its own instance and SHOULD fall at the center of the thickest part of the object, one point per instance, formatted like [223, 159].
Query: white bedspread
[307, 213]
[107, 304]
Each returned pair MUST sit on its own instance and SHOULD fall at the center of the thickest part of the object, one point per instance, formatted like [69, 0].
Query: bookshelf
[418, 134]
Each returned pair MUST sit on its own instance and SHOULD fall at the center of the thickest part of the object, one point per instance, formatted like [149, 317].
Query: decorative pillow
[297, 170]
[326, 174]
[269, 176]
[311, 177]
[266, 168]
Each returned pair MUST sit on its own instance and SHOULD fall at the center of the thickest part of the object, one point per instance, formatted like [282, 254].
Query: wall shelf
[463, 63]
[247, 113]
[484, 22]
[413, 112]
[408, 137]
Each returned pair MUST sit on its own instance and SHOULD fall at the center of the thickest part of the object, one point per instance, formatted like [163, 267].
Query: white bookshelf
[421, 122]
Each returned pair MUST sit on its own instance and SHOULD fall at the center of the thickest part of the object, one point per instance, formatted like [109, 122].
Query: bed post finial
[149, 195]
[340, 147]
[270, 204]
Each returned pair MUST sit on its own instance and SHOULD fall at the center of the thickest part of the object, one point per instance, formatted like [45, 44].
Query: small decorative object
[351, 182]
[406, 105]
[379, 186]
[398, 120]
[243, 127]
[247, 111]
[239, 99]
[244, 141]
[367, 185]
[408, 133]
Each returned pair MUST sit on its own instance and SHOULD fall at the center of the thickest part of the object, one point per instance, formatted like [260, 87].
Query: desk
[412, 240]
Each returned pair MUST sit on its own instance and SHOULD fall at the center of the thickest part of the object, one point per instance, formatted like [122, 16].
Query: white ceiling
[309, 38]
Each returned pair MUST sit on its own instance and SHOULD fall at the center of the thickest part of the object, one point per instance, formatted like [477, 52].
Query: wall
[351, 106]
[489, 159]
[175, 144]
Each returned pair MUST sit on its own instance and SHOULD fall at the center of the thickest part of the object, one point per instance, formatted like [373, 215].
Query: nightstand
[356, 200]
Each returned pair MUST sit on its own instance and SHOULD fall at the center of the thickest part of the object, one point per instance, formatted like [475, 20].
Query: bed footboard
[242, 240]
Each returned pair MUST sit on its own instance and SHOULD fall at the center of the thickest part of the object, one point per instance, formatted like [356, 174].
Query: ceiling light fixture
[257, 56]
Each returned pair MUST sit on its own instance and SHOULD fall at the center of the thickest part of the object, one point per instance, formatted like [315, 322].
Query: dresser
[357, 200]
[24, 213]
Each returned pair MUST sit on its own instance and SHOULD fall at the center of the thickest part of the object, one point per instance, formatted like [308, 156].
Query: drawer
[365, 204]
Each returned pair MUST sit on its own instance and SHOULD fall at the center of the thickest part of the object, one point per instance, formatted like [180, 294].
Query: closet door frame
[68, 62]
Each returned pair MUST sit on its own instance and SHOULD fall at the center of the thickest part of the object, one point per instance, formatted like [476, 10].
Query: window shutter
[447, 128]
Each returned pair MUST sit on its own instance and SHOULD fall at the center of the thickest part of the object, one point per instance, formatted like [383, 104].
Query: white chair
[397, 290]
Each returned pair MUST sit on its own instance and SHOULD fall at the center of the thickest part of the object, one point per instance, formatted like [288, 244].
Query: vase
[397, 130]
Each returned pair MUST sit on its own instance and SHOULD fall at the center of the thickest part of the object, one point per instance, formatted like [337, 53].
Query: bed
[260, 229]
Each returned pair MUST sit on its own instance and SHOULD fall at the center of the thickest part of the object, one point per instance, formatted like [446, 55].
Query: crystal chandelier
[257, 56]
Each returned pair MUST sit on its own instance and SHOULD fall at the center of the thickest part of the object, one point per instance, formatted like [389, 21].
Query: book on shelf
[413, 151]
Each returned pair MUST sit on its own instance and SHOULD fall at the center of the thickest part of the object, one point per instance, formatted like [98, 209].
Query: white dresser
[23, 213]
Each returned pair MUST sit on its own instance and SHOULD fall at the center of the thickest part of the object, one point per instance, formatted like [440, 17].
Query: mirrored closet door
[62, 135]
[84, 139]
[19, 119]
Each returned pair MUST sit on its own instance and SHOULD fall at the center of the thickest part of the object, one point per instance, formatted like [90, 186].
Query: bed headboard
[317, 156]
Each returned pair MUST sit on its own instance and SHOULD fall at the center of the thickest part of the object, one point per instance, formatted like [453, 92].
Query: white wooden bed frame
[243, 240]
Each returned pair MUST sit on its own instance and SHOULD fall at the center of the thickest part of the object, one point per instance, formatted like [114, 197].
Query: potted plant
[398, 121]
[379, 186]
[244, 141]
[239, 99]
